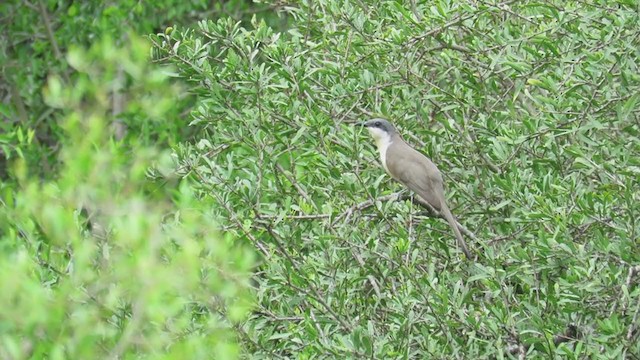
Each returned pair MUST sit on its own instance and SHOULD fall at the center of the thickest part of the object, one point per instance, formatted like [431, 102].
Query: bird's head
[381, 130]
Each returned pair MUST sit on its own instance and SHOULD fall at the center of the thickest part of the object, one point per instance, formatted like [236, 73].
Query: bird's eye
[377, 124]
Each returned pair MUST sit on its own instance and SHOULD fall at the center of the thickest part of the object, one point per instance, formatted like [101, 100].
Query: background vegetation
[143, 171]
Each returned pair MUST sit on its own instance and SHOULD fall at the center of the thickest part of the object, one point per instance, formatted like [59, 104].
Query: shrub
[530, 110]
[99, 261]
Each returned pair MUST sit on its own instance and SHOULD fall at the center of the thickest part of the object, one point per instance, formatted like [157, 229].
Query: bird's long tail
[452, 221]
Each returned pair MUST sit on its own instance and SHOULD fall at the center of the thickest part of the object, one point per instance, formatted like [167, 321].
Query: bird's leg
[427, 213]
[429, 210]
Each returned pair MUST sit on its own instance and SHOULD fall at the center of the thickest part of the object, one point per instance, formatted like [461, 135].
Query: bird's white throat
[383, 140]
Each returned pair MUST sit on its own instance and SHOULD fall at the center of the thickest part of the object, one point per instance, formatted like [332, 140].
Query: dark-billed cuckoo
[412, 169]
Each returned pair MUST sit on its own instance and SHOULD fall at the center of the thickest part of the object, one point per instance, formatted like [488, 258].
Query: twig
[23, 116]
[633, 271]
[570, 334]
[118, 127]
[445, 45]
[371, 279]
[509, 236]
[400, 197]
[518, 348]
[634, 324]
[457, 20]
[409, 240]
[274, 317]
[366, 204]
[296, 185]
[131, 330]
[414, 9]
[437, 213]
[298, 217]
[52, 38]
[248, 234]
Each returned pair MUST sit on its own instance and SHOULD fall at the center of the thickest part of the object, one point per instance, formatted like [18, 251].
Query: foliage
[34, 39]
[99, 262]
[530, 110]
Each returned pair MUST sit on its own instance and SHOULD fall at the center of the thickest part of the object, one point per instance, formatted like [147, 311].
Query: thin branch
[457, 20]
[297, 186]
[414, 9]
[52, 38]
[633, 327]
[399, 196]
[436, 213]
[570, 334]
[633, 271]
[298, 217]
[366, 204]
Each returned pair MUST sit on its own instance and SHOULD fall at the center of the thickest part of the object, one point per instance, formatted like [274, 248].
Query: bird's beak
[361, 124]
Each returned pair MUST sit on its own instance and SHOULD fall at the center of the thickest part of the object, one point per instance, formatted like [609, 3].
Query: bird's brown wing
[419, 174]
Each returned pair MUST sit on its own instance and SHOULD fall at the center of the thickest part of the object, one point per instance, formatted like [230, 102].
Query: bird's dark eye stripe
[377, 123]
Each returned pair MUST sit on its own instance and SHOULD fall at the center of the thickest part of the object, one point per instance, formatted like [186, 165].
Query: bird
[412, 169]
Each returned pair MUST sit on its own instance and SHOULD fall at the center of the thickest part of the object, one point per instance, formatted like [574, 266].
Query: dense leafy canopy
[529, 108]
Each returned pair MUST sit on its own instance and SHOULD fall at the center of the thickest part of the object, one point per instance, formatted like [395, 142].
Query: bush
[99, 261]
[530, 110]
